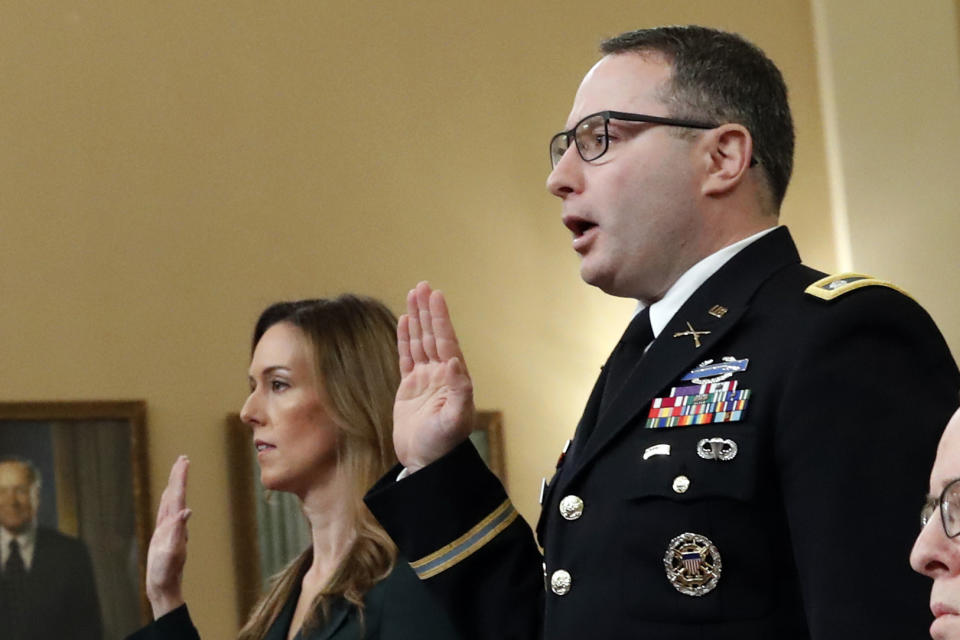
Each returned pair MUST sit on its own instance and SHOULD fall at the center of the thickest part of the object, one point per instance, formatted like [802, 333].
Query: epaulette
[838, 284]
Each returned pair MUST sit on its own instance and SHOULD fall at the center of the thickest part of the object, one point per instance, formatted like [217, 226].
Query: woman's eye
[278, 385]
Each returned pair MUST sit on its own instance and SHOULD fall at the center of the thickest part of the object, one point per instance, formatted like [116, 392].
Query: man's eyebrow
[945, 482]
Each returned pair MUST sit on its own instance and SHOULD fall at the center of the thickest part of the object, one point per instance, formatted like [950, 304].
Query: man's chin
[605, 282]
[945, 628]
[595, 276]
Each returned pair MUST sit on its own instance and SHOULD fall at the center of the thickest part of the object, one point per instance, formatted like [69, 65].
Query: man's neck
[706, 245]
[664, 309]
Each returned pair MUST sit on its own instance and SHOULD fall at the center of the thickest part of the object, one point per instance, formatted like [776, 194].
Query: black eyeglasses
[949, 502]
[593, 139]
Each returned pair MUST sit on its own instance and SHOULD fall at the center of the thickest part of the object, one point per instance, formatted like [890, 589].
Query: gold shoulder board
[838, 284]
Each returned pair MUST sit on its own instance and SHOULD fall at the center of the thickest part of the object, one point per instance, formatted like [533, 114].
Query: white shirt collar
[663, 310]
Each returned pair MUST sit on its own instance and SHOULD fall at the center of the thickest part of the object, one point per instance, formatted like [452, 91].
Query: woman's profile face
[293, 432]
[934, 554]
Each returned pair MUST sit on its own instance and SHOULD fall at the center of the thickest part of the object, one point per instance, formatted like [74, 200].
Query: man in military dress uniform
[750, 461]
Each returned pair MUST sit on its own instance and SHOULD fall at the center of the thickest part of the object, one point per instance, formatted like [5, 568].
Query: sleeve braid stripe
[468, 543]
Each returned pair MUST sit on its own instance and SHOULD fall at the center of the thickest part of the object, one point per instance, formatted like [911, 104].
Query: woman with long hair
[323, 377]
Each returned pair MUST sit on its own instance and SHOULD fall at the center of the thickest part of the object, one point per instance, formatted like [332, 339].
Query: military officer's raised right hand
[434, 409]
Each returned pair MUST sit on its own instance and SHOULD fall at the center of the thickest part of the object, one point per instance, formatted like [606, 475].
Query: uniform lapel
[669, 357]
[586, 425]
[588, 420]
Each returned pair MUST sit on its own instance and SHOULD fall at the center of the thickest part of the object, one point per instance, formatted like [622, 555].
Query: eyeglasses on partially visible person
[936, 553]
[949, 505]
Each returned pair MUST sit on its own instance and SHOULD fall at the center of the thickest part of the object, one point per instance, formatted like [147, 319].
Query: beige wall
[170, 168]
[891, 94]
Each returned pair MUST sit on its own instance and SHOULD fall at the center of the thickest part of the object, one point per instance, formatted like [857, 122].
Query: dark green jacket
[398, 608]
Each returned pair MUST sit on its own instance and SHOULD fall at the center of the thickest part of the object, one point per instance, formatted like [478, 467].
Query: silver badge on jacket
[693, 564]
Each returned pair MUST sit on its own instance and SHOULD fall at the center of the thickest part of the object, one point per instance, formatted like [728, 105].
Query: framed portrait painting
[74, 517]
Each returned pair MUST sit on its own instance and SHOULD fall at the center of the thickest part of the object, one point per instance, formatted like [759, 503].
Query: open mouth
[578, 226]
[584, 232]
[263, 446]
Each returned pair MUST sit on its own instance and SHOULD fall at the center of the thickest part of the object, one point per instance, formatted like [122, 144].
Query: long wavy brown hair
[355, 351]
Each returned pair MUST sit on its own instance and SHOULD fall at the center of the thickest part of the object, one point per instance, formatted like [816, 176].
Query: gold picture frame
[487, 437]
[243, 496]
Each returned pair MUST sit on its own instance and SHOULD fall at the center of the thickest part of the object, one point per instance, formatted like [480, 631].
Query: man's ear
[729, 150]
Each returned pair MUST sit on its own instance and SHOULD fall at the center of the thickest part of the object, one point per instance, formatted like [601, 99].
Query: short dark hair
[721, 77]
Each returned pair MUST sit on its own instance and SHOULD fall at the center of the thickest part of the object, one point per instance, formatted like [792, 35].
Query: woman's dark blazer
[397, 608]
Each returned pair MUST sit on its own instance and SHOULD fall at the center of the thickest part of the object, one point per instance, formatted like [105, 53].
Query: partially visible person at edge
[322, 381]
[47, 587]
[936, 553]
[748, 463]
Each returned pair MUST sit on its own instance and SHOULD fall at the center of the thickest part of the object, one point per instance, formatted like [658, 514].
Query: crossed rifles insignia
[693, 333]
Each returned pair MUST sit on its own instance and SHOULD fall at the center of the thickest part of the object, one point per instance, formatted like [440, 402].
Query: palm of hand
[167, 555]
[168, 545]
[433, 412]
[434, 404]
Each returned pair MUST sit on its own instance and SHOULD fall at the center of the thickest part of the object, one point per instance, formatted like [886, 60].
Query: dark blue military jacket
[758, 479]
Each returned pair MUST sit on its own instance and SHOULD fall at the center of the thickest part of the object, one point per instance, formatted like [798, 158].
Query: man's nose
[567, 175]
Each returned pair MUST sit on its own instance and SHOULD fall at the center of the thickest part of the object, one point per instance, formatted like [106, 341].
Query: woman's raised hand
[168, 546]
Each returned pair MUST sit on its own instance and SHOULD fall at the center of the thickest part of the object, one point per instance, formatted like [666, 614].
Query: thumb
[457, 376]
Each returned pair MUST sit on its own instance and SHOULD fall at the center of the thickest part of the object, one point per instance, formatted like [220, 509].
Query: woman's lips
[262, 446]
